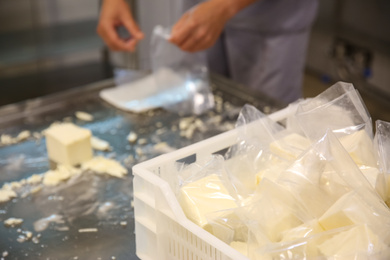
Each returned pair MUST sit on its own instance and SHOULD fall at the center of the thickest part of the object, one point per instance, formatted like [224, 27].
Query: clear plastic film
[340, 108]
[230, 228]
[182, 77]
[382, 148]
[273, 211]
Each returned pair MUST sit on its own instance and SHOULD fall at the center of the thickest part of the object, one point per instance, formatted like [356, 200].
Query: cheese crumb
[62, 173]
[13, 222]
[23, 135]
[99, 144]
[132, 137]
[6, 195]
[87, 230]
[103, 165]
[84, 116]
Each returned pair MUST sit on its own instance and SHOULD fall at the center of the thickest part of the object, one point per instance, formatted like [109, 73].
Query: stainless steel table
[58, 216]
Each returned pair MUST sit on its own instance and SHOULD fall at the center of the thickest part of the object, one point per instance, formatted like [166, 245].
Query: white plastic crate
[162, 230]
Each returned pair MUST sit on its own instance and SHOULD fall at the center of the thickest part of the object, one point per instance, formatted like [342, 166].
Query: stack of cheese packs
[314, 188]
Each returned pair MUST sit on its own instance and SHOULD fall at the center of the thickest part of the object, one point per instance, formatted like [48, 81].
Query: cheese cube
[204, 196]
[68, 144]
[290, 146]
[358, 240]
[305, 230]
[274, 209]
[241, 247]
[360, 147]
[352, 209]
[342, 213]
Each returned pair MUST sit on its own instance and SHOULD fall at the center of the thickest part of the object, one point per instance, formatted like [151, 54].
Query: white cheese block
[204, 196]
[352, 242]
[290, 146]
[338, 215]
[275, 210]
[305, 230]
[68, 144]
[241, 247]
[360, 147]
[371, 174]
[352, 209]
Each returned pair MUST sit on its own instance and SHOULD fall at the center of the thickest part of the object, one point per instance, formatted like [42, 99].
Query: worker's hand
[115, 13]
[200, 27]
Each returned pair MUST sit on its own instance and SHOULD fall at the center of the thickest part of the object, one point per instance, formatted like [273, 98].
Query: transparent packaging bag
[325, 193]
[264, 148]
[230, 228]
[204, 189]
[339, 108]
[382, 148]
[182, 77]
[355, 242]
[323, 174]
[273, 211]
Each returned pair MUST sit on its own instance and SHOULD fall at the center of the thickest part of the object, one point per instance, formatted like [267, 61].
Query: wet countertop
[90, 216]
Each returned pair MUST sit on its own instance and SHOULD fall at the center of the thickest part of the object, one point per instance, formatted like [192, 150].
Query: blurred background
[50, 45]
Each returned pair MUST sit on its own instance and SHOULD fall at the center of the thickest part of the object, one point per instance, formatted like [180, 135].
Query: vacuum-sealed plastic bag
[182, 77]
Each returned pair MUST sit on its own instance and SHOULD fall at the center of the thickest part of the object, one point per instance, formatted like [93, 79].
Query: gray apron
[264, 46]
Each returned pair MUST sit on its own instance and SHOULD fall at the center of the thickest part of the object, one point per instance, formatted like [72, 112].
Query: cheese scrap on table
[6, 139]
[132, 137]
[62, 173]
[68, 144]
[23, 135]
[100, 144]
[13, 222]
[6, 195]
[103, 165]
[84, 116]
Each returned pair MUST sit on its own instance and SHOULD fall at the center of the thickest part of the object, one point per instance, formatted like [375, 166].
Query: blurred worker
[258, 43]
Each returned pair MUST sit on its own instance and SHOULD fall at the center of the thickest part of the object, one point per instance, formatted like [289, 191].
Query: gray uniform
[264, 46]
